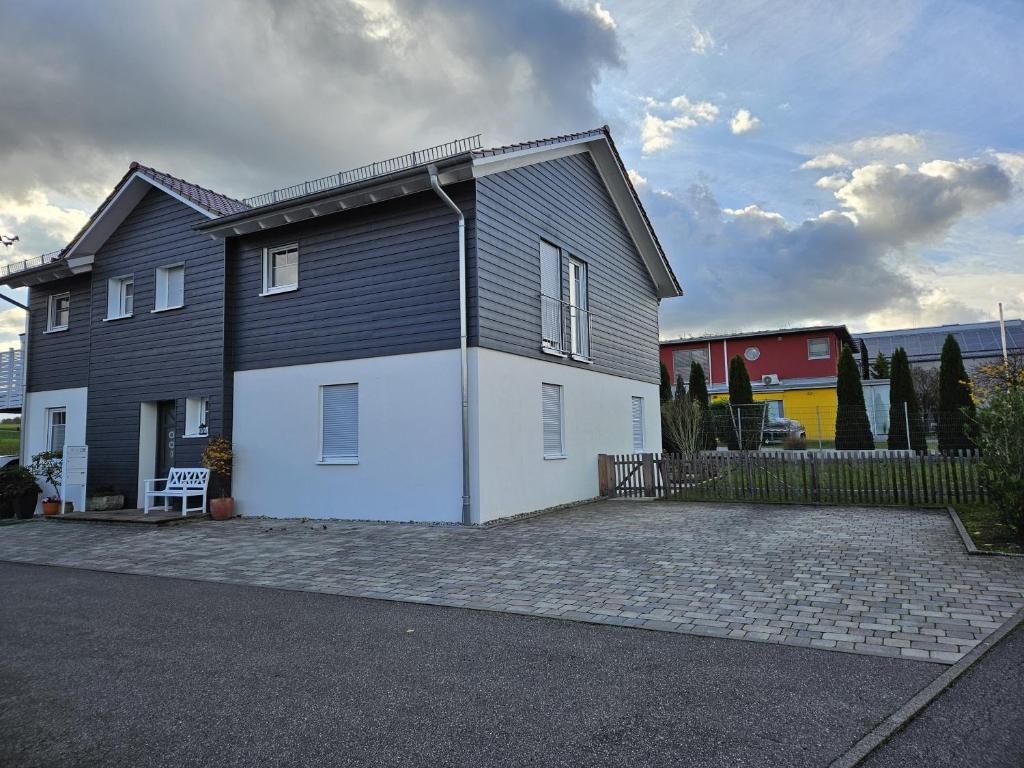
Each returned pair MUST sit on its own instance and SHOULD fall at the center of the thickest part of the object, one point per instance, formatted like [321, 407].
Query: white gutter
[467, 514]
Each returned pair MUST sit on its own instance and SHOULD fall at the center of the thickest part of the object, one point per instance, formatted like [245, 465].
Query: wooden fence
[816, 477]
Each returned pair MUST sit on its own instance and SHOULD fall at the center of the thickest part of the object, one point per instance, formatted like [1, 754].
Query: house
[792, 369]
[980, 343]
[452, 335]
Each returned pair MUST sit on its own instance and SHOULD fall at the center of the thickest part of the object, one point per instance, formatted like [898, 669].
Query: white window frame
[52, 312]
[331, 460]
[579, 301]
[268, 270]
[634, 401]
[161, 303]
[119, 301]
[197, 416]
[551, 338]
[828, 348]
[50, 413]
[561, 422]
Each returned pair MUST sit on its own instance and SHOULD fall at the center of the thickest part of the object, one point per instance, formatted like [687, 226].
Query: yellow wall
[805, 405]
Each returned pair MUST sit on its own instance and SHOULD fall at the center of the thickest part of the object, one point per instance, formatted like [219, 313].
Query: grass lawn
[987, 529]
[10, 439]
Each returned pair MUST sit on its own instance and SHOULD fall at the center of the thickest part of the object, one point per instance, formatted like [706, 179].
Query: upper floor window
[280, 269]
[551, 296]
[56, 423]
[170, 287]
[120, 297]
[58, 312]
[818, 349]
[339, 424]
[683, 359]
[579, 313]
[196, 409]
[559, 316]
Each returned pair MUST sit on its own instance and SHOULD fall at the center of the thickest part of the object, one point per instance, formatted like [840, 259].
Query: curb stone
[969, 544]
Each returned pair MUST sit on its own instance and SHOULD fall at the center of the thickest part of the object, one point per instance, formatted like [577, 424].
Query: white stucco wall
[510, 473]
[409, 441]
[75, 401]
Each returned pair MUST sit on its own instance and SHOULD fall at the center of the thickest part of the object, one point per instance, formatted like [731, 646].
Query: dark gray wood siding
[379, 280]
[59, 360]
[151, 356]
[564, 202]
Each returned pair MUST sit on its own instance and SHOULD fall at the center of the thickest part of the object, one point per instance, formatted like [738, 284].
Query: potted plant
[49, 466]
[217, 458]
[104, 499]
[19, 491]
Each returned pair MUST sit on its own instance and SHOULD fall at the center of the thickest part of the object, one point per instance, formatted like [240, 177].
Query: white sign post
[74, 470]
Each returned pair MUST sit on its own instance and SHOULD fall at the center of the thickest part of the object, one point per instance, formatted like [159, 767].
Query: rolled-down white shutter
[340, 422]
[551, 295]
[638, 424]
[551, 397]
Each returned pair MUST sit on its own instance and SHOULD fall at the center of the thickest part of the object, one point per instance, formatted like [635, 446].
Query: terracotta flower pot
[51, 508]
[223, 508]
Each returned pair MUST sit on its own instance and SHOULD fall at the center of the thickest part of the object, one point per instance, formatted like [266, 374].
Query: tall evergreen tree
[666, 385]
[747, 418]
[901, 392]
[699, 394]
[880, 368]
[680, 387]
[853, 430]
[956, 407]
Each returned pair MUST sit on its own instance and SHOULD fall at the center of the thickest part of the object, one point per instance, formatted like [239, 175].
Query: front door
[165, 425]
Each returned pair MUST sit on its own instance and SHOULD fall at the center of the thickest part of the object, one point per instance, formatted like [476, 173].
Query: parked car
[9, 460]
[777, 430]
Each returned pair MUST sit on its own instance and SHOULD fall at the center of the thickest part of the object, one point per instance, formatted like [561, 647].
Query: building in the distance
[980, 343]
[792, 369]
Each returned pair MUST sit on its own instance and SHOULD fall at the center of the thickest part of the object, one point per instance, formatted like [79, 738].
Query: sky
[803, 163]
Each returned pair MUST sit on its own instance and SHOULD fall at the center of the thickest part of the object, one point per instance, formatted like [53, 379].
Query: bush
[217, 458]
[1000, 422]
[682, 423]
[17, 480]
[794, 443]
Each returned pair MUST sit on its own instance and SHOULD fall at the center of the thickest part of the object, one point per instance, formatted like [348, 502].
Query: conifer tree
[901, 393]
[880, 368]
[665, 390]
[698, 393]
[956, 407]
[746, 417]
[680, 387]
[853, 430]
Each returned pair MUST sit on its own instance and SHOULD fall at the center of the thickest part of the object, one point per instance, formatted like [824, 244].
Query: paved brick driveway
[878, 581]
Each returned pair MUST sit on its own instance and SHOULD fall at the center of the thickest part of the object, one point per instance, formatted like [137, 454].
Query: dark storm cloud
[246, 95]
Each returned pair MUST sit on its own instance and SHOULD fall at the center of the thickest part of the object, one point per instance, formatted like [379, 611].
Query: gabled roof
[455, 162]
[77, 255]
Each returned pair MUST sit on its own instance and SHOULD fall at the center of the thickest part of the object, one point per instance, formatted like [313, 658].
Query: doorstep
[155, 517]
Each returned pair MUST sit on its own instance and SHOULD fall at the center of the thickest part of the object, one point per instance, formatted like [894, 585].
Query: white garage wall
[510, 473]
[34, 427]
[409, 441]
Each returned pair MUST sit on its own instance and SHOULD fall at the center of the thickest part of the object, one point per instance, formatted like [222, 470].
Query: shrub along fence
[817, 477]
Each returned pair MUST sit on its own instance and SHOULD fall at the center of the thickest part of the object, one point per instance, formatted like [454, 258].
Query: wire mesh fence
[763, 426]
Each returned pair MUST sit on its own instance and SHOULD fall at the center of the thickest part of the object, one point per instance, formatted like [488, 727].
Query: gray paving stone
[879, 581]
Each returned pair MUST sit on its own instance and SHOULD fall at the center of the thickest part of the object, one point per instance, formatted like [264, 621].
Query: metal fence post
[906, 420]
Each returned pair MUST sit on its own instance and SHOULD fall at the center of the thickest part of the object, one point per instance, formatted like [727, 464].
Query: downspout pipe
[467, 513]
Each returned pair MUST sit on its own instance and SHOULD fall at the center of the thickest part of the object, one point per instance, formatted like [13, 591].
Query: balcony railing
[565, 328]
[30, 263]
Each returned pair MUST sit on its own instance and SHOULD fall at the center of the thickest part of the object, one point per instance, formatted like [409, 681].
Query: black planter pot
[6, 508]
[25, 505]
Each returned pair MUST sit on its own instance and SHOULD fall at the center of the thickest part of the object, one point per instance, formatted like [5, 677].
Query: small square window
[120, 297]
[196, 410]
[818, 349]
[280, 269]
[58, 312]
[170, 287]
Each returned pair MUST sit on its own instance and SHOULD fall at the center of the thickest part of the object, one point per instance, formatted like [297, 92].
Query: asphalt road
[103, 669]
[978, 721]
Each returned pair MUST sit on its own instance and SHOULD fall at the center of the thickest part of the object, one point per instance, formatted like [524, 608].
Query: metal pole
[1002, 332]
[906, 419]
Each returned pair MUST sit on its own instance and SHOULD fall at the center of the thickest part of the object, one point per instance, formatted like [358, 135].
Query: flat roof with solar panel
[976, 340]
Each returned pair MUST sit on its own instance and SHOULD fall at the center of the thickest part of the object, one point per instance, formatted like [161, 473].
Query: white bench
[179, 484]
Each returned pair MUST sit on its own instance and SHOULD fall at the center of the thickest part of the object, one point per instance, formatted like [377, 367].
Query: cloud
[40, 224]
[858, 263]
[897, 143]
[703, 43]
[826, 161]
[835, 181]
[744, 122]
[245, 95]
[603, 16]
[638, 181]
[657, 133]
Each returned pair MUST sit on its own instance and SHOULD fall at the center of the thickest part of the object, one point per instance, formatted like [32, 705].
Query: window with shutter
[638, 424]
[551, 295]
[551, 416]
[339, 424]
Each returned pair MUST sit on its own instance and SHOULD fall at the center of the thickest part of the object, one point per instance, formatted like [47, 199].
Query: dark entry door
[166, 418]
